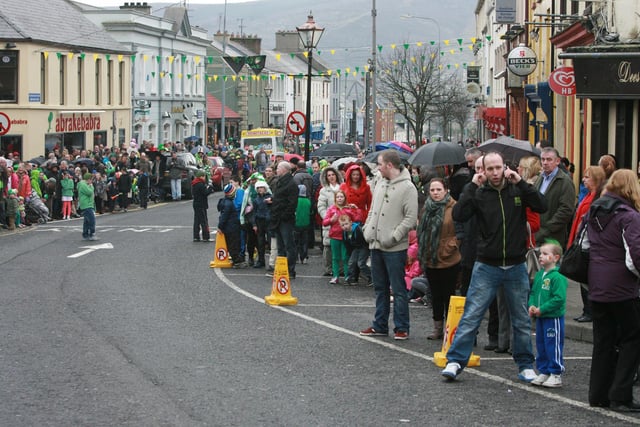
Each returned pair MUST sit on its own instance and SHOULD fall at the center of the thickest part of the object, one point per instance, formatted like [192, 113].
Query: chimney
[138, 6]
[253, 43]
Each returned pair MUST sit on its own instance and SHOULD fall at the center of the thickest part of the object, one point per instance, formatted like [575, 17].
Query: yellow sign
[281, 285]
[456, 309]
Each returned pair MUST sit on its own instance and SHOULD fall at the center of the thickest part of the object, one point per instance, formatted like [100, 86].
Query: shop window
[11, 144]
[599, 129]
[624, 133]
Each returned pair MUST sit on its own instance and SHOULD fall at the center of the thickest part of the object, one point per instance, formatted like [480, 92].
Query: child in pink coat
[417, 283]
[338, 249]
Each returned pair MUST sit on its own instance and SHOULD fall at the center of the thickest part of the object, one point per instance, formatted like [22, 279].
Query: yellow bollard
[281, 285]
[456, 308]
[221, 254]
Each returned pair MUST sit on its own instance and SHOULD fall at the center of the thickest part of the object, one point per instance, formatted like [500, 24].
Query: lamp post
[310, 35]
[426, 18]
[268, 90]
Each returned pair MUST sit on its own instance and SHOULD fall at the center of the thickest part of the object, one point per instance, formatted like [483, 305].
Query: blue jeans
[176, 189]
[485, 281]
[89, 223]
[387, 270]
[358, 261]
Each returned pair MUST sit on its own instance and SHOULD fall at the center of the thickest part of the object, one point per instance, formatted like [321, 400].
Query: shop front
[609, 76]
[37, 132]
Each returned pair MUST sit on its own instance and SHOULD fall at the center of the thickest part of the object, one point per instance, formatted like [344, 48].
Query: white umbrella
[344, 160]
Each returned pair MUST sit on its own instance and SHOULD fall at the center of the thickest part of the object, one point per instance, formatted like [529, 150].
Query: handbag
[533, 262]
[575, 262]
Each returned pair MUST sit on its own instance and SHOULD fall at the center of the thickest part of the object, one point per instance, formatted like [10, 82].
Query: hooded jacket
[326, 198]
[501, 219]
[613, 224]
[361, 195]
[200, 192]
[394, 211]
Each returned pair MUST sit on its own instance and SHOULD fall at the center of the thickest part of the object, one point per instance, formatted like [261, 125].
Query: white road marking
[90, 249]
[472, 371]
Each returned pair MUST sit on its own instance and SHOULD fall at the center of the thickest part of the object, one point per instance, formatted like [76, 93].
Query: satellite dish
[473, 88]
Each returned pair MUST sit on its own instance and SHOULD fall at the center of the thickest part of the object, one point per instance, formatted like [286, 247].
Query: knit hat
[229, 190]
[302, 190]
[200, 173]
[87, 176]
[12, 192]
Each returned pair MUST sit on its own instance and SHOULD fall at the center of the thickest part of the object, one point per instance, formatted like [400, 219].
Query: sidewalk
[572, 329]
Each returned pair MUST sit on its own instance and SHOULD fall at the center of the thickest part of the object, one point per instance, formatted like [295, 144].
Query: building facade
[65, 82]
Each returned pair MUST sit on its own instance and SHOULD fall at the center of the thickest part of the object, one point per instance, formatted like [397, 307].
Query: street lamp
[426, 18]
[268, 90]
[310, 35]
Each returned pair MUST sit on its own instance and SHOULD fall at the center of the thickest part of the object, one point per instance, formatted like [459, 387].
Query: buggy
[35, 211]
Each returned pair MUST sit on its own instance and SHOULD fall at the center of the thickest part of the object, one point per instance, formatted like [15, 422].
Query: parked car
[189, 167]
[220, 173]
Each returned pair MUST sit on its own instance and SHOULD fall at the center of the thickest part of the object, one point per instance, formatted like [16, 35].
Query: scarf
[430, 227]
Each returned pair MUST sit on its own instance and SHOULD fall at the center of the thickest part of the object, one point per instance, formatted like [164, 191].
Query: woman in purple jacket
[613, 229]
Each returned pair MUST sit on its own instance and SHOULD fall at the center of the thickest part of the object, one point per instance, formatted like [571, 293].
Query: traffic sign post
[296, 123]
[5, 124]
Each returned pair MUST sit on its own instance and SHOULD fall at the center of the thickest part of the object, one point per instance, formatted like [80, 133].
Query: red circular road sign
[296, 123]
[5, 123]
[563, 81]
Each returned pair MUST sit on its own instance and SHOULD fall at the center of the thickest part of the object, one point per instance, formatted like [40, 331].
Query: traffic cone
[221, 253]
[456, 308]
[281, 285]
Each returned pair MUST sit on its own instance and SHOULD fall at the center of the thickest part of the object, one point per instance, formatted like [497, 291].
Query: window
[63, 68]
[9, 76]
[109, 82]
[43, 78]
[98, 81]
[121, 65]
[80, 80]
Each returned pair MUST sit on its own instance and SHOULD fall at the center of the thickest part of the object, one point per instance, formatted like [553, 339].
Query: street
[137, 329]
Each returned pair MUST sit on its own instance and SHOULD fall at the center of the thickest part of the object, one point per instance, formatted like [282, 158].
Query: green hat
[200, 173]
[87, 176]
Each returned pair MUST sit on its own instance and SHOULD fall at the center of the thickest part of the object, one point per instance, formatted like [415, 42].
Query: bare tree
[451, 105]
[409, 79]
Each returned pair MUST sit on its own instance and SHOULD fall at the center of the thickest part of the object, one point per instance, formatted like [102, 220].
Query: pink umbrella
[401, 146]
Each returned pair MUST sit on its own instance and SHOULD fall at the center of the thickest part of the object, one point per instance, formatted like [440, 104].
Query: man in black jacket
[200, 191]
[283, 214]
[498, 199]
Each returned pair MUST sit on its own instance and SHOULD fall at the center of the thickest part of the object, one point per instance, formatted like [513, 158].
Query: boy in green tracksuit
[547, 304]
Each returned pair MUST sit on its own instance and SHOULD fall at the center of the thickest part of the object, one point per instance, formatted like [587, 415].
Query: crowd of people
[415, 234]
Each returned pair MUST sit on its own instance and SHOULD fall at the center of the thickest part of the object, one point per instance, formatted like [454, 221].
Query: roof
[56, 22]
[214, 109]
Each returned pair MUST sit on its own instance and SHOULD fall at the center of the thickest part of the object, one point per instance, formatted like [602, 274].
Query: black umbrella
[438, 153]
[512, 149]
[37, 160]
[84, 161]
[373, 156]
[334, 150]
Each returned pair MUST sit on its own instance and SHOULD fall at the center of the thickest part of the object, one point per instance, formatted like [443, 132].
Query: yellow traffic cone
[456, 308]
[281, 285]
[221, 254]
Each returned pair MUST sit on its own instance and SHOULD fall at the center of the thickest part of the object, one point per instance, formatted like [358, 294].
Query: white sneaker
[527, 375]
[540, 379]
[451, 371]
[553, 381]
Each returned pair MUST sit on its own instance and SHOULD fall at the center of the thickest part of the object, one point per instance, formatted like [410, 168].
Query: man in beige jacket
[393, 213]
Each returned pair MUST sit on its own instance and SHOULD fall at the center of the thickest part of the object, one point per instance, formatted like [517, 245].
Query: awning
[495, 119]
[214, 110]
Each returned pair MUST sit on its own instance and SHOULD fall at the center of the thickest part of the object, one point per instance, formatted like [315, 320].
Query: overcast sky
[109, 3]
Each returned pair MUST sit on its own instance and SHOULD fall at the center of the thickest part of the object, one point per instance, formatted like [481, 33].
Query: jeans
[485, 281]
[301, 235]
[287, 244]
[89, 223]
[387, 270]
[358, 261]
[176, 189]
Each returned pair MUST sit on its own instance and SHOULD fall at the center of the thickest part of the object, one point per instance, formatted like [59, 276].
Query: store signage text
[626, 74]
[77, 123]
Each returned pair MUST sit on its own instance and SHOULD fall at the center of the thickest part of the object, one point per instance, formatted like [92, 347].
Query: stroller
[35, 211]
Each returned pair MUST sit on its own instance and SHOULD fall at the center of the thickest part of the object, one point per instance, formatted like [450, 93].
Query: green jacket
[561, 202]
[303, 212]
[67, 185]
[549, 293]
[85, 195]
